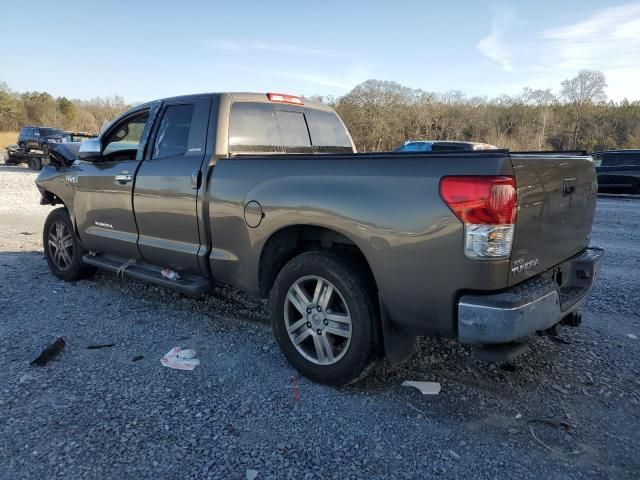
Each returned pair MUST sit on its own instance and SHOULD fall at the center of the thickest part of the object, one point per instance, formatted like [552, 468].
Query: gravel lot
[99, 414]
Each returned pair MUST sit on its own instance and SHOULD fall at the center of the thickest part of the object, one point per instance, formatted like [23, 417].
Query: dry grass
[7, 138]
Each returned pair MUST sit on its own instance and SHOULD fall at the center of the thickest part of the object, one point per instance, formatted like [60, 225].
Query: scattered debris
[589, 380]
[632, 336]
[454, 454]
[97, 347]
[553, 423]
[426, 388]
[251, 474]
[180, 359]
[137, 358]
[294, 384]
[49, 353]
[560, 389]
[26, 233]
[518, 416]
[513, 431]
[170, 275]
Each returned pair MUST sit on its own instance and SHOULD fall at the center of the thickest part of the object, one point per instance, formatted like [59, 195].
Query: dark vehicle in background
[443, 146]
[618, 170]
[357, 252]
[72, 137]
[39, 138]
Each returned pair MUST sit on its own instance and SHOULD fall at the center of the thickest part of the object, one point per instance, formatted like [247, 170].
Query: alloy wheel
[60, 245]
[317, 320]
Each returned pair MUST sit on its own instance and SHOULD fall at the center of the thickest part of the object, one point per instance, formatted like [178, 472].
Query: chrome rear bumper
[533, 305]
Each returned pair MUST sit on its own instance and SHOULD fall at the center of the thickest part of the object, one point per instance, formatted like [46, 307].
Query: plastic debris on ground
[49, 353]
[251, 474]
[170, 275]
[180, 359]
[632, 336]
[99, 346]
[426, 388]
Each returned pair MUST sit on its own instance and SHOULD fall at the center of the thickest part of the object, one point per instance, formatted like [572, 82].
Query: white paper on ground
[426, 388]
[180, 359]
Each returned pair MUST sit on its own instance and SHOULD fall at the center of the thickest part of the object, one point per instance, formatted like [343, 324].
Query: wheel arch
[292, 240]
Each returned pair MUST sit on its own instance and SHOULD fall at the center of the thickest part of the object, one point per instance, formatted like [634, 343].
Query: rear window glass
[253, 128]
[293, 129]
[264, 127]
[326, 129]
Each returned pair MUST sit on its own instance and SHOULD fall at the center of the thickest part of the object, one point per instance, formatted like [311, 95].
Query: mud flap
[398, 345]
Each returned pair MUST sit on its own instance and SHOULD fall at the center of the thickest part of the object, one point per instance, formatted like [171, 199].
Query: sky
[88, 49]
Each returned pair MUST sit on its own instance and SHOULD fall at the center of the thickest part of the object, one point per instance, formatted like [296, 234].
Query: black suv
[618, 169]
[39, 138]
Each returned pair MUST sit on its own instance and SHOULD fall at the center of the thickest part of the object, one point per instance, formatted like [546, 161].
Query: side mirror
[90, 150]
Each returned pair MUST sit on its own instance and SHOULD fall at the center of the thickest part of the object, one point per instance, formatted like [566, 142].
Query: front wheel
[324, 317]
[62, 248]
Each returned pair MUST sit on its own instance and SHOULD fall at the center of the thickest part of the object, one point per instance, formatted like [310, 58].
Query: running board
[186, 283]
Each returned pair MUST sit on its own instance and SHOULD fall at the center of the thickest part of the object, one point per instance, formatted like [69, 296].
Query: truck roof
[244, 97]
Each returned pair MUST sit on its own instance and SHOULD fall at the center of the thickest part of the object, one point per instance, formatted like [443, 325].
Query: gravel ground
[99, 414]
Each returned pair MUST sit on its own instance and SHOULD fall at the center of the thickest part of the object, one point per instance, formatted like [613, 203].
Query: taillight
[284, 98]
[487, 206]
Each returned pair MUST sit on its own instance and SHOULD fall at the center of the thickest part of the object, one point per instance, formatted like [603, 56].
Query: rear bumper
[533, 305]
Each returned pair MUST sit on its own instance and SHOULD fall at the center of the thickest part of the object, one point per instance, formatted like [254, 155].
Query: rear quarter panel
[388, 205]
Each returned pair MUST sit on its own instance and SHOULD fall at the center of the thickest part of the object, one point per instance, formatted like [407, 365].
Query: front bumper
[536, 304]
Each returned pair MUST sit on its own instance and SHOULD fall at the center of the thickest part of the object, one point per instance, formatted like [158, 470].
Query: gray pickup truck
[357, 252]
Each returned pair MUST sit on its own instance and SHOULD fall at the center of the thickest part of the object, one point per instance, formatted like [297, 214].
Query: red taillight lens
[481, 200]
[284, 98]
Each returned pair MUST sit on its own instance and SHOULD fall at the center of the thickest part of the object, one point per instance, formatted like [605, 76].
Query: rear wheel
[324, 317]
[62, 249]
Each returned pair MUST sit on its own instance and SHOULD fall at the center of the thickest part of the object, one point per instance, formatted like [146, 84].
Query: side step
[187, 283]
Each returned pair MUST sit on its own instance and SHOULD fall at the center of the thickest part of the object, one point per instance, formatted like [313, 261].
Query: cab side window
[123, 141]
[172, 138]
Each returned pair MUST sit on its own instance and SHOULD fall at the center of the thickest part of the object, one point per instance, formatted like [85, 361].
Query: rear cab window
[276, 128]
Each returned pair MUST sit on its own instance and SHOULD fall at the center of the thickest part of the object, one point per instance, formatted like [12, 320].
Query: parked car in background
[39, 138]
[442, 146]
[358, 253]
[618, 170]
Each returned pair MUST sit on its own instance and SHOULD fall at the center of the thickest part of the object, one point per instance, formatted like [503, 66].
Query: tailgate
[556, 203]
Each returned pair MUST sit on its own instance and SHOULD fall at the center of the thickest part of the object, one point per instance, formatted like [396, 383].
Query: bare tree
[541, 100]
[582, 90]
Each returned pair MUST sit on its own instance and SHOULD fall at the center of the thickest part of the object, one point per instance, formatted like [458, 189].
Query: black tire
[354, 290]
[37, 164]
[67, 266]
[23, 148]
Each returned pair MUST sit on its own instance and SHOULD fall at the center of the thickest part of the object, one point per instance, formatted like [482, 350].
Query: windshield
[50, 132]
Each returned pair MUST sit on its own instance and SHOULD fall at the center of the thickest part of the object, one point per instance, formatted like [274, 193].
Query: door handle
[196, 179]
[124, 178]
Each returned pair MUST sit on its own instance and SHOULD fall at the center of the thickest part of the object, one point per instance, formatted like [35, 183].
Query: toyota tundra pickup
[358, 253]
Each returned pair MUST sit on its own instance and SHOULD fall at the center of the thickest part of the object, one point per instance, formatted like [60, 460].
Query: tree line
[42, 109]
[381, 115]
